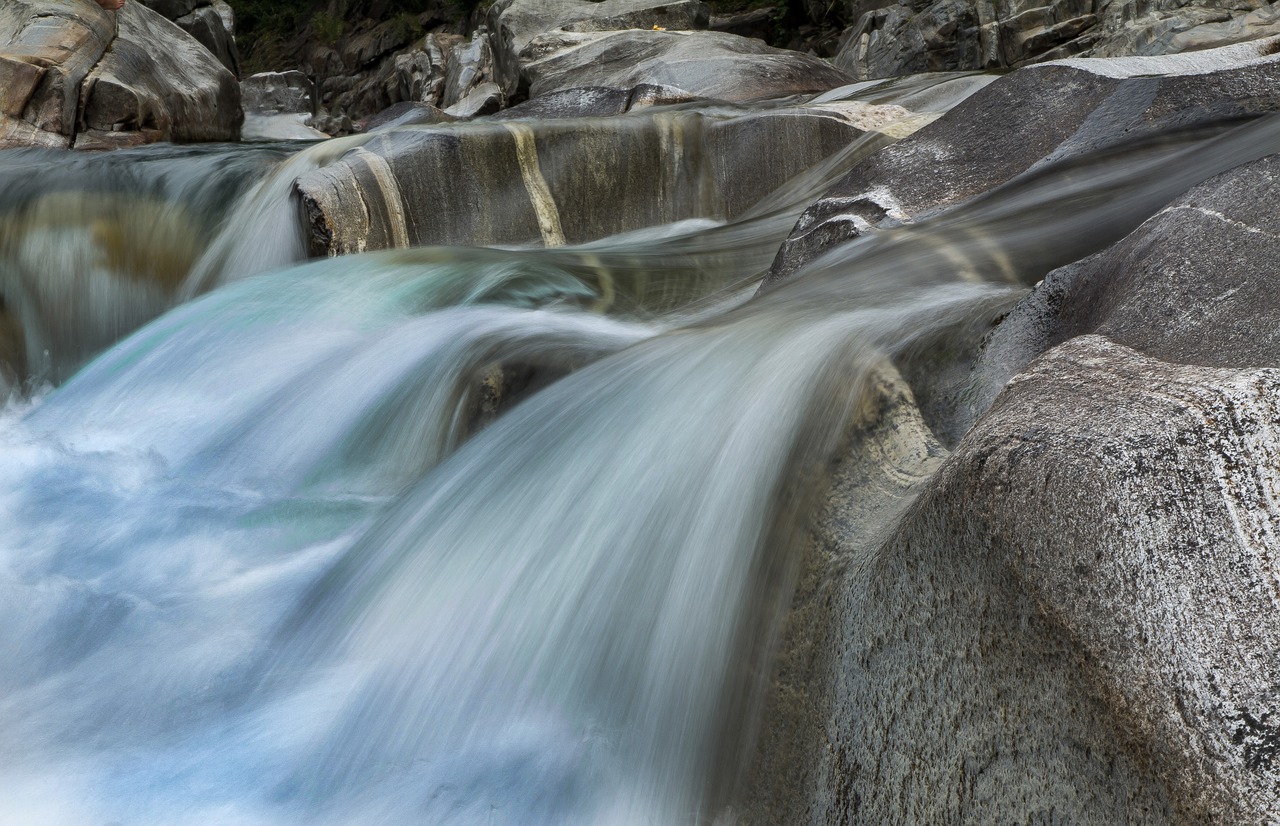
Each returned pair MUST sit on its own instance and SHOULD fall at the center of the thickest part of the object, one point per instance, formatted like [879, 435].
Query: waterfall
[465, 536]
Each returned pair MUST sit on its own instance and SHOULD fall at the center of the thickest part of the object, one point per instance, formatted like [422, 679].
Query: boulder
[46, 50]
[594, 102]
[1073, 620]
[470, 65]
[483, 99]
[213, 27]
[890, 39]
[76, 75]
[1188, 287]
[276, 93]
[1073, 623]
[416, 73]
[542, 47]
[141, 92]
[705, 64]
[1045, 112]
[542, 183]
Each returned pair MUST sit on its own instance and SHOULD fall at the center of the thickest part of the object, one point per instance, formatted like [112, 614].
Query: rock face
[76, 75]
[213, 27]
[931, 35]
[1074, 620]
[48, 50]
[546, 47]
[541, 184]
[1080, 105]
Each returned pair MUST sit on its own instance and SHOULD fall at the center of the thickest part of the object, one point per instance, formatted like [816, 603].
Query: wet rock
[406, 113]
[594, 102]
[1074, 622]
[287, 127]
[1046, 112]
[484, 99]
[542, 183]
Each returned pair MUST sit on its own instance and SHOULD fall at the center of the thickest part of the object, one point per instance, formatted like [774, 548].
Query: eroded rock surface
[546, 47]
[1075, 620]
[910, 36]
[73, 74]
[511, 182]
[1033, 116]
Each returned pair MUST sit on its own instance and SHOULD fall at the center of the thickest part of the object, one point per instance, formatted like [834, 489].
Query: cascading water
[272, 559]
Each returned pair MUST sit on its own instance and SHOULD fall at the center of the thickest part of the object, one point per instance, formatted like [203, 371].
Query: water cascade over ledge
[445, 534]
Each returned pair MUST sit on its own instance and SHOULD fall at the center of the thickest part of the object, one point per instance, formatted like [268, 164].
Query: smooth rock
[274, 93]
[542, 183]
[140, 93]
[594, 102]
[890, 39]
[704, 64]
[406, 113]
[47, 49]
[484, 99]
[470, 65]
[1040, 113]
[208, 25]
[285, 127]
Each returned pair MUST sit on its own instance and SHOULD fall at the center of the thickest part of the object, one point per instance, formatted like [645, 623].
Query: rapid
[442, 535]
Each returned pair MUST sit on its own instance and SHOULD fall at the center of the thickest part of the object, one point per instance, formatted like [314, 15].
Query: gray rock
[209, 27]
[542, 183]
[470, 66]
[1075, 621]
[157, 83]
[47, 49]
[704, 64]
[1185, 287]
[407, 113]
[287, 127]
[274, 93]
[594, 102]
[483, 99]
[543, 47]
[890, 39]
[75, 74]
[1050, 111]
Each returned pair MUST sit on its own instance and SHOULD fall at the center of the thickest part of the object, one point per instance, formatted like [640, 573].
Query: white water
[254, 571]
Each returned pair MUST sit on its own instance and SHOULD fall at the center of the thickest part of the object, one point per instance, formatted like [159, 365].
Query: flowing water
[451, 536]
